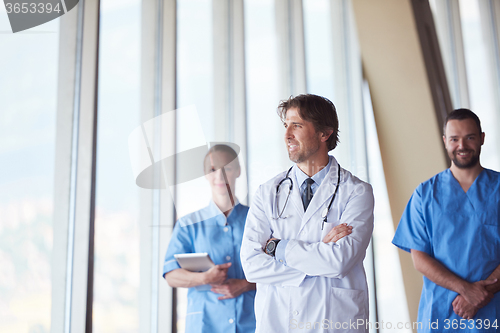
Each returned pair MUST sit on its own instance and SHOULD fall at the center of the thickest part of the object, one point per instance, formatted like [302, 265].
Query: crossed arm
[217, 275]
[472, 295]
[338, 232]
[322, 258]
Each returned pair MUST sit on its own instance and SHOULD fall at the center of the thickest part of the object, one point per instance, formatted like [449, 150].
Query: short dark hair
[318, 110]
[224, 149]
[461, 114]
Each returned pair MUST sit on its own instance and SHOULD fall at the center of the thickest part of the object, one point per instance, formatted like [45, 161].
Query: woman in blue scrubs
[227, 305]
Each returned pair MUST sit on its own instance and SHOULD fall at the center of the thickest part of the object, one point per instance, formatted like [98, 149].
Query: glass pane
[195, 75]
[479, 74]
[318, 43]
[265, 152]
[443, 20]
[195, 79]
[391, 297]
[116, 271]
[28, 103]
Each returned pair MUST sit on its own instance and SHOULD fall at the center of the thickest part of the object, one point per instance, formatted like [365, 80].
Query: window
[28, 101]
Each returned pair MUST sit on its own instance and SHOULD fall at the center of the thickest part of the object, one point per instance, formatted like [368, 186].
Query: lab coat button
[231, 321]
[228, 258]
[295, 313]
[281, 260]
[226, 229]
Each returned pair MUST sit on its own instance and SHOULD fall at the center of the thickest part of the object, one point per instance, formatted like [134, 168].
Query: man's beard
[297, 157]
[302, 155]
[466, 164]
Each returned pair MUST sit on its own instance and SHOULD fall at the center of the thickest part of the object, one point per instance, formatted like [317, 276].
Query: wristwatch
[271, 246]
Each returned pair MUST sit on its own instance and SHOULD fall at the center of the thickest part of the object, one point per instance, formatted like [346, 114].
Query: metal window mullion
[490, 18]
[150, 213]
[91, 240]
[167, 301]
[82, 288]
[347, 68]
[78, 273]
[433, 61]
[222, 79]
[229, 87]
[74, 169]
[155, 223]
[63, 164]
[489, 11]
[230, 73]
[448, 26]
[371, 247]
[238, 77]
[158, 96]
[495, 18]
[297, 47]
[291, 48]
[340, 81]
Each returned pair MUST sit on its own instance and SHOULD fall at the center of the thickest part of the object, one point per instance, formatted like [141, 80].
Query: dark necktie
[307, 194]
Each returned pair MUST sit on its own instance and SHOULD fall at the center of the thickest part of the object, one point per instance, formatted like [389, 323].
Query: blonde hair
[224, 149]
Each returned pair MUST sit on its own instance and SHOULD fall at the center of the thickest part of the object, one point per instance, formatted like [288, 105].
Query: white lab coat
[322, 287]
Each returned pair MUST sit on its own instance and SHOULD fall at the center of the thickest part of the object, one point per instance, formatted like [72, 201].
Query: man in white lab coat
[308, 268]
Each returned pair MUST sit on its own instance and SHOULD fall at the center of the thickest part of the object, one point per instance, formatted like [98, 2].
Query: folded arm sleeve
[412, 232]
[335, 260]
[258, 266]
[179, 243]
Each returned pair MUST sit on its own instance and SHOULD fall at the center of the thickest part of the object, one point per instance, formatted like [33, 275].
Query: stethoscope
[325, 212]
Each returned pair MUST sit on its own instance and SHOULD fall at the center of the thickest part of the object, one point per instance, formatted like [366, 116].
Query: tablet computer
[194, 262]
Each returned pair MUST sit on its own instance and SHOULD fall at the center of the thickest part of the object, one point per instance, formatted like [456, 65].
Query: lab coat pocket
[347, 310]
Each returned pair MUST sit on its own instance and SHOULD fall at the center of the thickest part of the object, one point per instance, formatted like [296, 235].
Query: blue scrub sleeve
[179, 243]
[412, 232]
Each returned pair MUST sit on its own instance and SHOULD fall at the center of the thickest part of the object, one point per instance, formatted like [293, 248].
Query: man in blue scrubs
[451, 226]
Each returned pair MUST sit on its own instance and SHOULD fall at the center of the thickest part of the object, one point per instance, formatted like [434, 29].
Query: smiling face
[302, 141]
[213, 172]
[463, 143]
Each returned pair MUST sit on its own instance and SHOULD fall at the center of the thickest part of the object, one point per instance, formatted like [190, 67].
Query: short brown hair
[461, 114]
[318, 110]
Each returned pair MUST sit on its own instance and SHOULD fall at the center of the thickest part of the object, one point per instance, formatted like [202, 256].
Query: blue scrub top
[206, 231]
[462, 231]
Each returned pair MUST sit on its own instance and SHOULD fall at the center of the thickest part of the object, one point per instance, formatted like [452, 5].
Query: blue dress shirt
[318, 177]
[300, 178]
